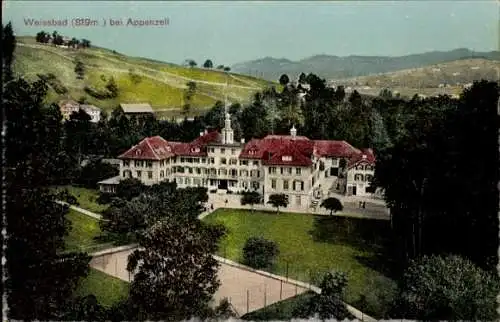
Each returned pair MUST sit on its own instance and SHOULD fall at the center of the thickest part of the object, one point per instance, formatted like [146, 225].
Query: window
[289, 171]
[136, 163]
[272, 170]
[223, 161]
[256, 163]
[298, 171]
[182, 160]
[150, 174]
[190, 170]
[281, 170]
[162, 174]
[188, 180]
[233, 161]
[358, 177]
[211, 160]
[233, 151]
[255, 185]
[196, 160]
[149, 164]
[203, 160]
[368, 177]
[196, 182]
[258, 173]
[273, 183]
[126, 163]
[211, 150]
[302, 185]
[285, 184]
[243, 162]
[222, 150]
[369, 167]
[297, 200]
[138, 174]
[198, 170]
[286, 158]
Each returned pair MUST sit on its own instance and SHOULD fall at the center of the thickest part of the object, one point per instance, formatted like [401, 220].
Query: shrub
[105, 198]
[260, 253]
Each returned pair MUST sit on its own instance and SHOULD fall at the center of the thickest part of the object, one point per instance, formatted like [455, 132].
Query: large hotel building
[303, 169]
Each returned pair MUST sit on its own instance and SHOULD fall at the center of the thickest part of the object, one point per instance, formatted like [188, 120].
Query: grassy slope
[160, 84]
[83, 234]
[86, 198]
[307, 259]
[426, 80]
[107, 289]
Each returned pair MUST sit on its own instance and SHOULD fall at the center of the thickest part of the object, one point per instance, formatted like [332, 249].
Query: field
[138, 79]
[107, 289]
[86, 198]
[84, 234]
[446, 78]
[307, 250]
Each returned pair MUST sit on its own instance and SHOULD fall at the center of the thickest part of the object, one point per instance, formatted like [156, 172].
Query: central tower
[227, 131]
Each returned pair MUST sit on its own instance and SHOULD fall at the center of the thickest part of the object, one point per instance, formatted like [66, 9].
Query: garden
[310, 246]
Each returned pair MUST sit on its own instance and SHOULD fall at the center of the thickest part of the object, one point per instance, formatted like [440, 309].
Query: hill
[138, 79]
[335, 67]
[445, 78]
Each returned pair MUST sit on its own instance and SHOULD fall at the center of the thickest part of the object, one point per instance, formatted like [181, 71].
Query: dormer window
[169, 149]
[286, 158]
[195, 149]
[138, 152]
[252, 151]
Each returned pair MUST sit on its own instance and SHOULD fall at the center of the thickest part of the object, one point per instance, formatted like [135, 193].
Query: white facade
[224, 168]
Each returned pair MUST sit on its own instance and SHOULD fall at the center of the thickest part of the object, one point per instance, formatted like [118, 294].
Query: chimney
[206, 131]
[201, 133]
[293, 132]
[364, 156]
[242, 140]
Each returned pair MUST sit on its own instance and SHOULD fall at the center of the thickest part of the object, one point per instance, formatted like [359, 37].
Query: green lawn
[308, 257]
[282, 310]
[83, 234]
[107, 289]
[86, 198]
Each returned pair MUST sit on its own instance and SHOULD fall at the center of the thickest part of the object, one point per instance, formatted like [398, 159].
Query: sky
[229, 32]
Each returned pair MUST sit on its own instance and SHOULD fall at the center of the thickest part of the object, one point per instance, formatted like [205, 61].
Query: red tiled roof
[288, 154]
[364, 156]
[272, 149]
[152, 148]
[327, 148]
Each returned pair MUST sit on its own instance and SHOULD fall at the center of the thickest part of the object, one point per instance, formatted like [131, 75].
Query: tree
[8, 47]
[227, 68]
[176, 273]
[129, 188]
[221, 67]
[284, 80]
[441, 181]
[330, 303]
[96, 171]
[332, 204]
[79, 69]
[188, 96]
[40, 281]
[302, 78]
[260, 253]
[278, 200]
[191, 63]
[447, 288]
[85, 43]
[112, 87]
[250, 198]
[124, 220]
[208, 64]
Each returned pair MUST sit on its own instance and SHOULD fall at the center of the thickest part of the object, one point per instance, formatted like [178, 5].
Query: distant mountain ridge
[335, 67]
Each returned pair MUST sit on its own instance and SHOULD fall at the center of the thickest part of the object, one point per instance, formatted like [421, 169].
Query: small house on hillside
[93, 111]
[67, 107]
